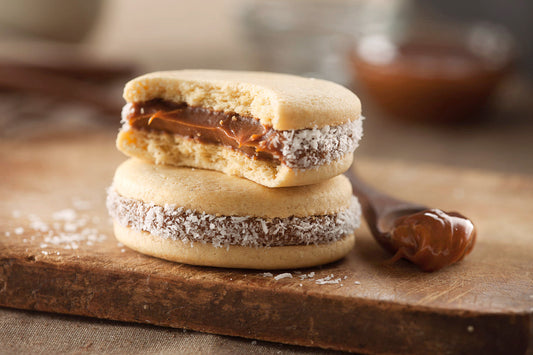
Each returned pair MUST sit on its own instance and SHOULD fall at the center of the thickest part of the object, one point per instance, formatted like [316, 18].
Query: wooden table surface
[57, 254]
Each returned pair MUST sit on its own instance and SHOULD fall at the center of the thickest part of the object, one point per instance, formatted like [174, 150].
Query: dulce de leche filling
[433, 239]
[243, 134]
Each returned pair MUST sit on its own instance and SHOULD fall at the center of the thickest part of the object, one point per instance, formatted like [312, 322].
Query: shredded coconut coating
[178, 223]
[308, 148]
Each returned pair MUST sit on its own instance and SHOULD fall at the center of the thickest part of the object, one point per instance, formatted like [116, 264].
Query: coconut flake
[283, 276]
[328, 280]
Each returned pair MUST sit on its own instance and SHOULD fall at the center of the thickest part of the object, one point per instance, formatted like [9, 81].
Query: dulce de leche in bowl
[433, 77]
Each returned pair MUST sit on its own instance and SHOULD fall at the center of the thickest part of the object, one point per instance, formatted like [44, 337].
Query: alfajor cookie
[204, 217]
[274, 129]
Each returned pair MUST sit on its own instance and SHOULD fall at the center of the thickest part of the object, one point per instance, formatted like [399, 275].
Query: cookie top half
[281, 101]
[219, 194]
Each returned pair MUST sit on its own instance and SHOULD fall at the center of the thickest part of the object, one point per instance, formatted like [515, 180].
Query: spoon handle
[368, 195]
[375, 206]
[378, 201]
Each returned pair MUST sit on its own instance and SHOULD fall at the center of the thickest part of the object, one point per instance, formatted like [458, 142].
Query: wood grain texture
[483, 304]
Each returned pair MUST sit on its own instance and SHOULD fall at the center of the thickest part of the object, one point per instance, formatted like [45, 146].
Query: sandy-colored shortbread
[285, 102]
[219, 194]
[286, 257]
[169, 149]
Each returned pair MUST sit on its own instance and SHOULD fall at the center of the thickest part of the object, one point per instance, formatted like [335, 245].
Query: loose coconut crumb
[177, 223]
[268, 274]
[307, 276]
[69, 229]
[67, 214]
[357, 282]
[283, 276]
[328, 280]
[81, 205]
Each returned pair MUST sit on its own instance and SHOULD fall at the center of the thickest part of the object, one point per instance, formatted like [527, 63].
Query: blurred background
[445, 82]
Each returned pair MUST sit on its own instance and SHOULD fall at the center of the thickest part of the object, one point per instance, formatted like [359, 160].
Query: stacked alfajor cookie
[237, 169]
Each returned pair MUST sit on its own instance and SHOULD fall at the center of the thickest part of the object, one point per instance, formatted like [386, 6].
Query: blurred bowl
[444, 74]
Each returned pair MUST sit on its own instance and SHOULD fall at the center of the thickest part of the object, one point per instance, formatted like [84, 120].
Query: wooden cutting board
[58, 254]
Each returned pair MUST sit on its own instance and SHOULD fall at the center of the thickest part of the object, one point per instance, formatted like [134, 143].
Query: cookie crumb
[19, 230]
[357, 282]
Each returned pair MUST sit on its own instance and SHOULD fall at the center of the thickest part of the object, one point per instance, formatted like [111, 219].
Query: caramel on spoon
[430, 238]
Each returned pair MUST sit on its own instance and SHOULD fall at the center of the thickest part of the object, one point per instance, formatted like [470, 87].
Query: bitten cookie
[274, 129]
[204, 217]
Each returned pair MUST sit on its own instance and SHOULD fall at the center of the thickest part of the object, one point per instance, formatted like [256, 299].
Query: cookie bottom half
[168, 149]
[262, 258]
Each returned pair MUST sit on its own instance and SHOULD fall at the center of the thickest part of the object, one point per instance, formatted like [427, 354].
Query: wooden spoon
[429, 238]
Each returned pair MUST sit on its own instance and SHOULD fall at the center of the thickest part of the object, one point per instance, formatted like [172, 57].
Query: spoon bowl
[385, 223]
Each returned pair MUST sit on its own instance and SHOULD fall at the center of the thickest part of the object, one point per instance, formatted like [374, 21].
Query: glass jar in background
[312, 37]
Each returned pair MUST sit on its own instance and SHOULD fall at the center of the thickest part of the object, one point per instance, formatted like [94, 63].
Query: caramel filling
[243, 134]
